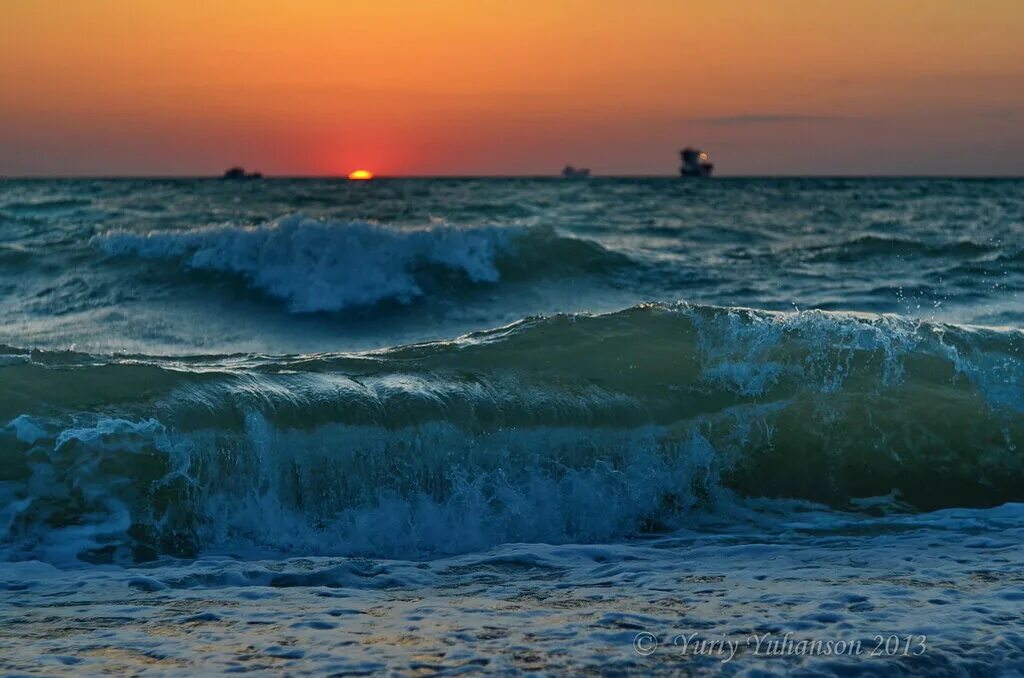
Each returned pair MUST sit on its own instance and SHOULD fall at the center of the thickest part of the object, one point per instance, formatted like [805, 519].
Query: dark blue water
[512, 423]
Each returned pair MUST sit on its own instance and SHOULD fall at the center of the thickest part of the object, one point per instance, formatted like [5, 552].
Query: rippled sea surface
[493, 426]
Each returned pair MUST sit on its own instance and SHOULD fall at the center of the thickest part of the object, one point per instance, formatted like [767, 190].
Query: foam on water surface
[949, 580]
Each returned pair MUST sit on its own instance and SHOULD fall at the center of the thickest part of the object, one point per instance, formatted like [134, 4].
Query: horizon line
[377, 177]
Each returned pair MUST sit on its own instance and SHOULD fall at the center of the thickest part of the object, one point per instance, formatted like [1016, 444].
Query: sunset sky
[416, 87]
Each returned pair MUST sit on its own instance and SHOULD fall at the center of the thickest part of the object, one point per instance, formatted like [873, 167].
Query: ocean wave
[44, 206]
[14, 256]
[562, 428]
[858, 248]
[329, 265]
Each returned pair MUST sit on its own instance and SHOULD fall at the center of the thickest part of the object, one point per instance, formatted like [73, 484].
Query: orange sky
[496, 87]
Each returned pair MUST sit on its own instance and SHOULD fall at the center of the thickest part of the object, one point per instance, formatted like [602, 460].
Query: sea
[616, 426]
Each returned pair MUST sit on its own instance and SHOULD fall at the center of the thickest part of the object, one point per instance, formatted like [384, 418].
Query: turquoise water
[502, 426]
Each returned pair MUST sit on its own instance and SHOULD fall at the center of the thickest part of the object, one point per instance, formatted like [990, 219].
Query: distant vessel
[240, 173]
[696, 163]
[570, 172]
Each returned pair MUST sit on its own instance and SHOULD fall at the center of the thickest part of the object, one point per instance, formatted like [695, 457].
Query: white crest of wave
[323, 264]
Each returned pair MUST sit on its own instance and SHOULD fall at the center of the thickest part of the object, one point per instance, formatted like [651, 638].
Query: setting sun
[360, 175]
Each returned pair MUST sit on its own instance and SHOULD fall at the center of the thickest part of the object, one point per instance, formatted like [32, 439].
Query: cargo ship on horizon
[695, 163]
[570, 172]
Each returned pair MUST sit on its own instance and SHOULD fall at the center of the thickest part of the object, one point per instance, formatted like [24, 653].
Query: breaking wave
[555, 429]
[329, 265]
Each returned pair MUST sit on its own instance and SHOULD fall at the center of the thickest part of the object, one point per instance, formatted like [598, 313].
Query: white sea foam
[328, 265]
[352, 490]
[783, 568]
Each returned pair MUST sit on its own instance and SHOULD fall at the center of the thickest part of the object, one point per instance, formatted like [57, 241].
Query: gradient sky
[112, 87]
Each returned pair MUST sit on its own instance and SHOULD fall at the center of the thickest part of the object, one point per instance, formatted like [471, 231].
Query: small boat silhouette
[570, 172]
[240, 173]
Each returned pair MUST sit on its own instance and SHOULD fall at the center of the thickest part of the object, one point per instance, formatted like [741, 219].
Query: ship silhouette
[240, 173]
[570, 172]
[695, 163]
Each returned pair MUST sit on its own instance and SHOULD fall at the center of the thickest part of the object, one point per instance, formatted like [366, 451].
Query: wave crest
[329, 265]
[562, 428]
